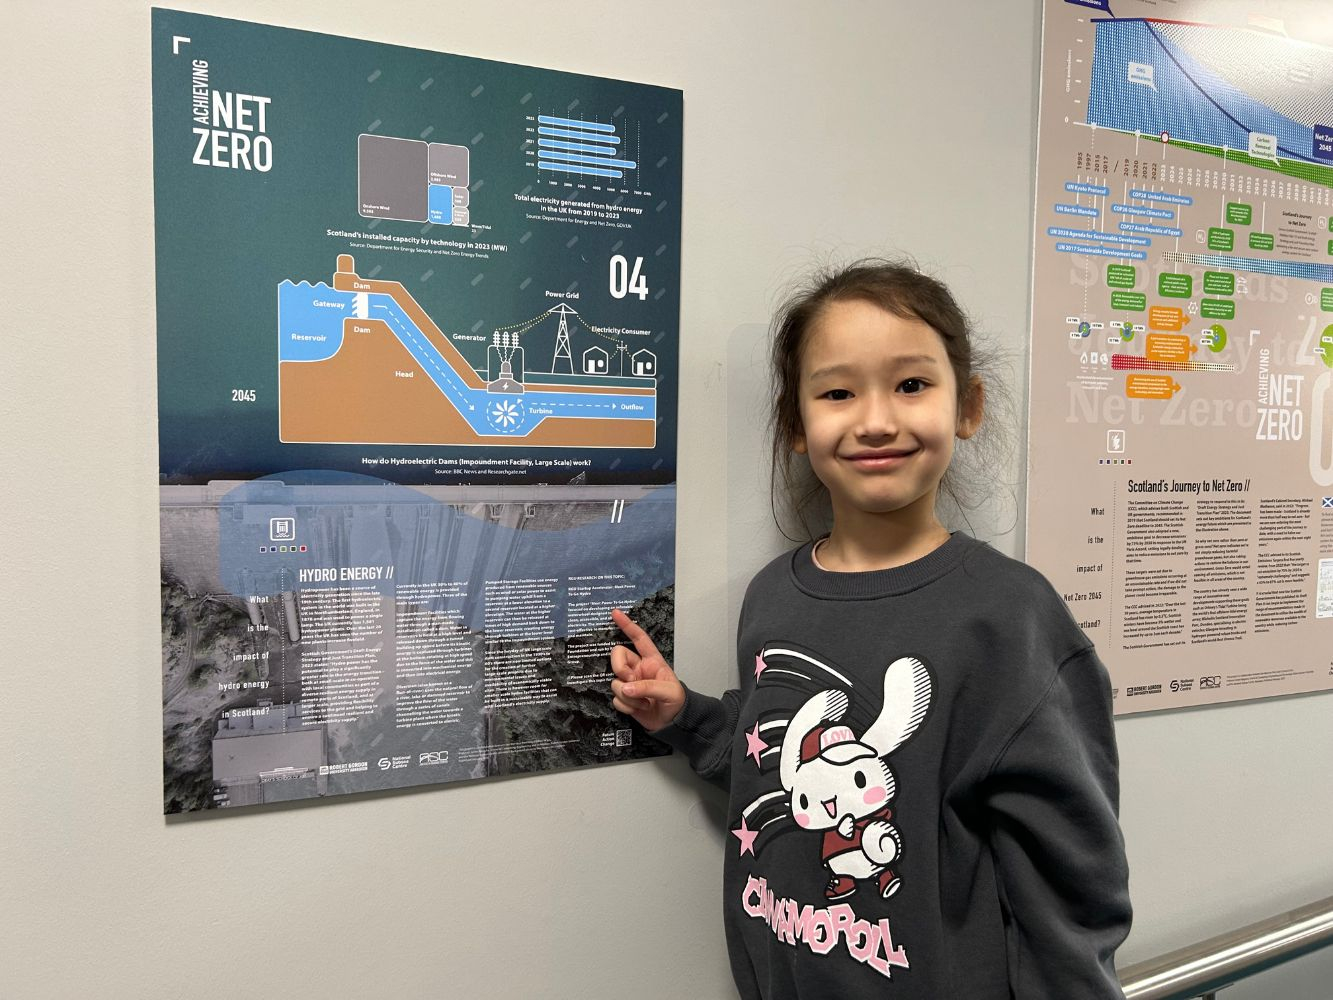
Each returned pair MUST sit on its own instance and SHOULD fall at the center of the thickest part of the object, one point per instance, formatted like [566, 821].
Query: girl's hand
[645, 687]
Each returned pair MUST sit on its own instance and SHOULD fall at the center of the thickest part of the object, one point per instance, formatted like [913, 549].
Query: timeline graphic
[1225, 89]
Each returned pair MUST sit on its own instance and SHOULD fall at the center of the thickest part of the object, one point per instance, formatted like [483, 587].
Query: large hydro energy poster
[417, 322]
[1181, 472]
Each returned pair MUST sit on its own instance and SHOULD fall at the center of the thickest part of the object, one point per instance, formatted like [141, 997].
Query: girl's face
[879, 410]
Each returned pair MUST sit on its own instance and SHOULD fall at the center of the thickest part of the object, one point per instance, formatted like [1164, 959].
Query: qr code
[624, 737]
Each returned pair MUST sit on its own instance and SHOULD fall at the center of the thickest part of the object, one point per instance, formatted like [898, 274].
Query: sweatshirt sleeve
[705, 727]
[1053, 802]
[703, 732]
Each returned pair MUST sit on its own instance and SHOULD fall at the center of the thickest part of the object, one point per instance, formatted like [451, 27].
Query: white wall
[596, 883]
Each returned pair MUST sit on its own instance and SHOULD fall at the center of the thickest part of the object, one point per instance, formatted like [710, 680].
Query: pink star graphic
[746, 836]
[754, 744]
[759, 666]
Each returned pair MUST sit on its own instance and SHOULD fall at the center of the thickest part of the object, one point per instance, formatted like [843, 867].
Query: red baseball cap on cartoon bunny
[834, 743]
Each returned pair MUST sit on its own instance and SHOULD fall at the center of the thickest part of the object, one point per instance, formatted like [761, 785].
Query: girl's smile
[882, 458]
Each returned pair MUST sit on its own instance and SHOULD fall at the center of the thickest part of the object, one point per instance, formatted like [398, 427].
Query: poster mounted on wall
[1180, 491]
[417, 320]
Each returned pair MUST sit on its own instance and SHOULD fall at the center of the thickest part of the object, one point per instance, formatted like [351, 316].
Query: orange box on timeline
[1168, 347]
[1151, 387]
[1165, 318]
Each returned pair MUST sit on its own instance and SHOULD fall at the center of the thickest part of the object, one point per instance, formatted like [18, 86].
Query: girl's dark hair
[897, 287]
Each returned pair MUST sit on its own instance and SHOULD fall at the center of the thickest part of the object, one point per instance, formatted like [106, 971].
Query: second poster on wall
[1181, 461]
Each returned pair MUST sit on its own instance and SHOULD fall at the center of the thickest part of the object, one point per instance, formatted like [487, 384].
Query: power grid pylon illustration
[562, 340]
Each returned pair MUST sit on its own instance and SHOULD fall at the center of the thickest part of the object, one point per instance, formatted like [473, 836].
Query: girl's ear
[798, 444]
[973, 409]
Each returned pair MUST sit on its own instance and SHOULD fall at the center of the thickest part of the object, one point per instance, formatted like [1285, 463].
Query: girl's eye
[837, 394]
[860, 779]
[805, 803]
[911, 386]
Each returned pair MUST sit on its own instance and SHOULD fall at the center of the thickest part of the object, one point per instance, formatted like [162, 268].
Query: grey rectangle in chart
[392, 178]
[461, 197]
[449, 164]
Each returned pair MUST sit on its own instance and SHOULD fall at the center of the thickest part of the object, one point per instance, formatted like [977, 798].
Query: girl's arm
[703, 731]
[1053, 799]
[647, 689]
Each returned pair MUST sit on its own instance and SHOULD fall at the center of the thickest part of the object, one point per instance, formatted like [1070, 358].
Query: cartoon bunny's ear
[825, 706]
[908, 687]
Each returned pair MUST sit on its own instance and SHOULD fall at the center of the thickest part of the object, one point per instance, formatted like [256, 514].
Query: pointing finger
[635, 634]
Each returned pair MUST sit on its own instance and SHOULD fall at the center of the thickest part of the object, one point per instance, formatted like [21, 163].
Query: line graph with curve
[1236, 90]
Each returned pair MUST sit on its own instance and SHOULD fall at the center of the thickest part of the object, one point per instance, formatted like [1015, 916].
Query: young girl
[920, 755]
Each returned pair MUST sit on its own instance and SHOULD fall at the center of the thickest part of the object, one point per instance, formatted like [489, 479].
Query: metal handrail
[1220, 961]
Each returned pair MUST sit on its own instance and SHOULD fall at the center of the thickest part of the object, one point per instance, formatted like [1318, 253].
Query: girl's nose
[878, 417]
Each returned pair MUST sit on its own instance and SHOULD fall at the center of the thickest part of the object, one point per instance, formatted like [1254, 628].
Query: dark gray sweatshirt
[923, 791]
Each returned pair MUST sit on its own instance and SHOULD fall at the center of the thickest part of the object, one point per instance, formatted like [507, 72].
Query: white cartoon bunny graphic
[843, 785]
